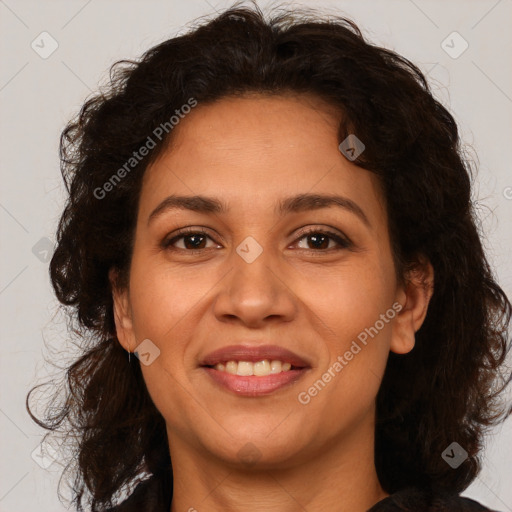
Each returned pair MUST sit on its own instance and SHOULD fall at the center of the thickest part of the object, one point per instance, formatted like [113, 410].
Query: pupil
[315, 239]
[194, 244]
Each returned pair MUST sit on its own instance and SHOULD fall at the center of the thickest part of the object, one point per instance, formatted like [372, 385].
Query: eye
[193, 240]
[320, 240]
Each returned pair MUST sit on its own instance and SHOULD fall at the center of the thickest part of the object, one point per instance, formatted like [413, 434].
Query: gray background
[38, 95]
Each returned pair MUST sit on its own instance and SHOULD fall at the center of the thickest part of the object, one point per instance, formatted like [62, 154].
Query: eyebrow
[294, 204]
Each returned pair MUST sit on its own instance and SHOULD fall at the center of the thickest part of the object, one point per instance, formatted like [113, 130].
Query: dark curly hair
[444, 390]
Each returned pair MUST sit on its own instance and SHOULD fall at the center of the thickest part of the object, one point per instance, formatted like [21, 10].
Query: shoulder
[149, 496]
[415, 499]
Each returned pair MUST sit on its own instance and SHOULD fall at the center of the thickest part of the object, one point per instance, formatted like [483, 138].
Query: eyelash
[343, 242]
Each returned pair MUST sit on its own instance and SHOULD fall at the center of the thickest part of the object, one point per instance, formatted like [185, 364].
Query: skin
[251, 152]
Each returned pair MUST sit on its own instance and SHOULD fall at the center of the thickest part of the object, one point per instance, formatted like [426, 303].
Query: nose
[255, 292]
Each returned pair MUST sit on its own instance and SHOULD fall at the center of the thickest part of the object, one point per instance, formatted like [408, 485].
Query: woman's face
[263, 279]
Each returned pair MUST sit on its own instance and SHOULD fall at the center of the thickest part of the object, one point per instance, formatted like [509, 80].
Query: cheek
[349, 302]
[165, 303]
[348, 299]
[162, 297]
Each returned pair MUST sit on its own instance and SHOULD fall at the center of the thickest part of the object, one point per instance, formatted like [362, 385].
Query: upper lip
[252, 353]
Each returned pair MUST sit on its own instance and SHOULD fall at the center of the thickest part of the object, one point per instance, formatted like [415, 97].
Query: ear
[414, 297]
[122, 312]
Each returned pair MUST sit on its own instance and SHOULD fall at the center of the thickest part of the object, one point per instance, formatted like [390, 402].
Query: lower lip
[253, 385]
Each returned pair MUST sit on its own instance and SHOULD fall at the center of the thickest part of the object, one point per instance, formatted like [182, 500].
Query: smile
[254, 370]
[260, 368]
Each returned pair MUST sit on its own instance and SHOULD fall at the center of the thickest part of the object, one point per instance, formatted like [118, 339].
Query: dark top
[150, 496]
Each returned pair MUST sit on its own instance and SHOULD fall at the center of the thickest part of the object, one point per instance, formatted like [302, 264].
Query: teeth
[231, 367]
[260, 369]
[276, 367]
[245, 369]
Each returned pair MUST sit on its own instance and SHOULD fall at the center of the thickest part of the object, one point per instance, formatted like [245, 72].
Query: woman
[269, 237]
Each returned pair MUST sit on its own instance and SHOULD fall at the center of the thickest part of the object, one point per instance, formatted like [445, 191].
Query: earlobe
[414, 297]
[122, 313]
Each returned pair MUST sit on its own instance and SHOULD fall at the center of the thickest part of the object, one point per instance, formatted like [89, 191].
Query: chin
[259, 447]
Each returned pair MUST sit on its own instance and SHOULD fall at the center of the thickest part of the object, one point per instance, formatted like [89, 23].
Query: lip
[253, 354]
[253, 386]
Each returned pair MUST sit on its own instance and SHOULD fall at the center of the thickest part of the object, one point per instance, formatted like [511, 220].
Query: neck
[341, 479]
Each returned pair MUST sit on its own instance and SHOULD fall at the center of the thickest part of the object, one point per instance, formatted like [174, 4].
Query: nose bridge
[252, 264]
[253, 290]
[252, 278]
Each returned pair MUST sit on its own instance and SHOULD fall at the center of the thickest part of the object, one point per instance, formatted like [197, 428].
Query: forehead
[235, 120]
[258, 148]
